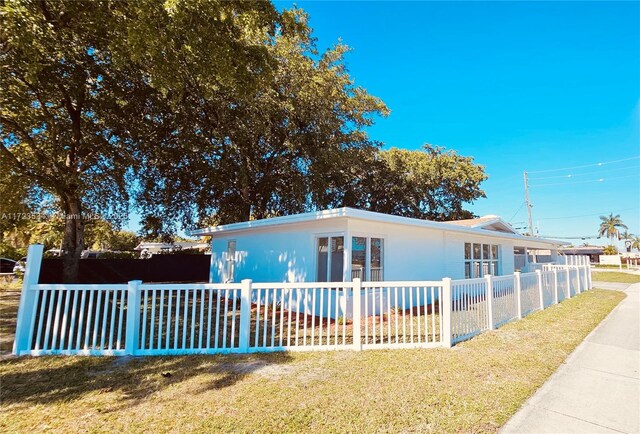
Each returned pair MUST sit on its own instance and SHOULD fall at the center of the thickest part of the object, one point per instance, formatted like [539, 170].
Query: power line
[585, 182]
[586, 165]
[586, 237]
[516, 213]
[571, 175]
[586, 215]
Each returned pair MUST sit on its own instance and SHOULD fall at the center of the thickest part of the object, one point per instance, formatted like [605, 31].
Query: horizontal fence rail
[247, 317]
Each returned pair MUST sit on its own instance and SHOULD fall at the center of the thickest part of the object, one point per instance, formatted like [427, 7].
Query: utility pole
[526, 196]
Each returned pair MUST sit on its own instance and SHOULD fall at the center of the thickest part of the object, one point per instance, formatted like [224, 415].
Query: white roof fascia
[273, 221]
[365, 215]
[494, 221]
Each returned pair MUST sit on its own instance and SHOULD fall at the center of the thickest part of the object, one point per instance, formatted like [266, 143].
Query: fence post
[245, 315]
[27, 307]
[585, 270]
[131, 342]
[356, 319]
[566, 268]
[540, 288]
[586, 277]
[518, 288]
[579, 280]
[489, 279]
[555, 286]
[589, 275]
[446, 313]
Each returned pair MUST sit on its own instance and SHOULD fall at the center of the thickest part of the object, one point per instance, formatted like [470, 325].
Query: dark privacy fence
[158, 268]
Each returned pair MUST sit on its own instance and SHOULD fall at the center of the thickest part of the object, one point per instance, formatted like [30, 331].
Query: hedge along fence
[205, 318]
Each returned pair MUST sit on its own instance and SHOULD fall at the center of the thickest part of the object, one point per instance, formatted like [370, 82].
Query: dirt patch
[305, 373]
[261, 368]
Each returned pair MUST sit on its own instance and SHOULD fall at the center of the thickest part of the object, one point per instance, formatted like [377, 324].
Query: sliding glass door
[330, 259]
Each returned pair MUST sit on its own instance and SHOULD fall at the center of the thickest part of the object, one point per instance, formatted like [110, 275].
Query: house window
[231, 261]
[358, 258]
[375, 262]
[330, 264]
[366, 258]
[481, 260]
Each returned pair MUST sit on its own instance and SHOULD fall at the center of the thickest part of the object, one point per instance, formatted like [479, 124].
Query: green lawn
[474, 387]
[612, 276]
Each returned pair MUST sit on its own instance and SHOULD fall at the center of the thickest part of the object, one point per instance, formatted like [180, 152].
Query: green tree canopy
[86, 90]
[281, 141]
[430, 183]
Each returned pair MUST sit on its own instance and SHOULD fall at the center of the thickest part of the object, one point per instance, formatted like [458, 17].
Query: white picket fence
[246, 317]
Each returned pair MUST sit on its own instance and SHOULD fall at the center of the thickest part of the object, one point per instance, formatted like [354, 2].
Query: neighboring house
[149, 249]
[345, 243]
[593, 252]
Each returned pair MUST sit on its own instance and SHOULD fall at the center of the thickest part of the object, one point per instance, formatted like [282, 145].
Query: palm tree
[610, 226]
[635, 242]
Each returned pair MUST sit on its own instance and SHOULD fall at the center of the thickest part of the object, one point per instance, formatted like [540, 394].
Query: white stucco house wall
[344, 243]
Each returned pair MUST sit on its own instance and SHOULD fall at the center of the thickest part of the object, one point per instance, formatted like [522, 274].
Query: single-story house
[593, 252]
[341, 244]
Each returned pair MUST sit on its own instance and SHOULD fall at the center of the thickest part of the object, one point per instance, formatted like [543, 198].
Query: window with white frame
[481, 260]
[366, 258]
[231, 262]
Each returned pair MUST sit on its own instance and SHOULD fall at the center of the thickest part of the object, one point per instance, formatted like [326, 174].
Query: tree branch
[31, 143]
[26, 170]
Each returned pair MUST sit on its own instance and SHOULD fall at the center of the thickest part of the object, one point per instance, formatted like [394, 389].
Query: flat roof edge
[364, 215]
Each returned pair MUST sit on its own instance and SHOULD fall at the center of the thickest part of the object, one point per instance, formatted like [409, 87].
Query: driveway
[597, 389]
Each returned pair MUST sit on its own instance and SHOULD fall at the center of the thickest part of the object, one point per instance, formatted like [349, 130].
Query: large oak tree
[194, 111]
[85, 91]
[274, 147]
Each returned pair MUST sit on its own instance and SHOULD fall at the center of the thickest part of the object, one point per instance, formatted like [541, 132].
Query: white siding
[506, 256]
[283, 254]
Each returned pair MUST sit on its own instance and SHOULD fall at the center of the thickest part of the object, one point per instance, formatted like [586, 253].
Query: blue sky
[519, 86]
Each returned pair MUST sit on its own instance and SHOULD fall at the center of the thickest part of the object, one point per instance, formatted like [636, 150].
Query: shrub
[119, 255]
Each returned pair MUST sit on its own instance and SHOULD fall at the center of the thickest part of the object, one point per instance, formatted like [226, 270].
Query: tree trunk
[244, 210]
[73, 241]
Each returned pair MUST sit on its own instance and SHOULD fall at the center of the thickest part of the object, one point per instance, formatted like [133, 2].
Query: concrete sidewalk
[597, 389]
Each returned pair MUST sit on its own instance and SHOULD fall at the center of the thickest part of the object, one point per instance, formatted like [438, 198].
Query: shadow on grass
[45, 380]
[9, 301]
[51, 379]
